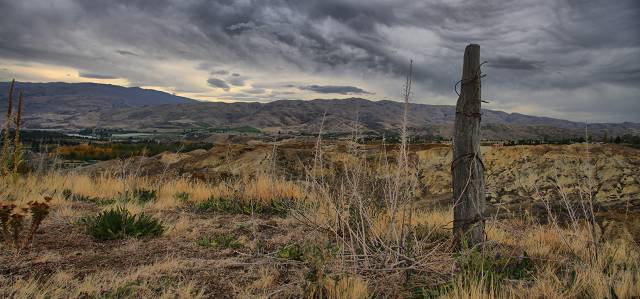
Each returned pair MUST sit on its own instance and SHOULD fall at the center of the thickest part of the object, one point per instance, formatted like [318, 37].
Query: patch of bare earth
[62, 246]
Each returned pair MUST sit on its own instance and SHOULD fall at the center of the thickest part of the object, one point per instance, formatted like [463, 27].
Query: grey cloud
[241, 26]
[514, 62]
[219, 72]
[96, 76]
[565, 46]
[125, 53]
[214, 82]
[255, 91]
[212, 68]
[283, 93]
[236, 80]
[335, 89]
[204, 66]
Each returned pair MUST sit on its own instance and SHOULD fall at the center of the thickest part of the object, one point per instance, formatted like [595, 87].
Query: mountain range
[73, 106]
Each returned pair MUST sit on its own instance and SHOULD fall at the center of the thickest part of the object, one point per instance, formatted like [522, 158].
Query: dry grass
[356, 244]
[144, 282]
[259, 188]
[346, 287]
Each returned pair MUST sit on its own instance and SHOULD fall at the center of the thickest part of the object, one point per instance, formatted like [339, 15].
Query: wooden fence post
[466, 167]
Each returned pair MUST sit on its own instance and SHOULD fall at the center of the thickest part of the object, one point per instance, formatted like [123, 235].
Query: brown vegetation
[360, 227]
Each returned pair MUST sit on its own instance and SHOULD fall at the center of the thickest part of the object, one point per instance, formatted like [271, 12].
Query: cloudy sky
[577, 60]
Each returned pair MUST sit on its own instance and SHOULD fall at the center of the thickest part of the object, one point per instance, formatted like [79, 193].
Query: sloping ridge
[80, 105]
[130, 96]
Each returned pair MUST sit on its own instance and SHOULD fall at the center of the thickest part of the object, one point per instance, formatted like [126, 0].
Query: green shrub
[237, 206]
[125, 150]
[216, 204]
[69, 195]
[139, 196]
[493, 268]
[220, 241]
[118, 223]
[182, 196]
[142, 196]
[291, 251]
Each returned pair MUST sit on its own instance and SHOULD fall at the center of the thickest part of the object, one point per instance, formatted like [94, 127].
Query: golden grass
[472, 289]
[565, 261]
[181, 227]
[259, 188]
[260, 287]
[559, 252]
[437, 220]
[265, 189]
[143, 282]
[346, 287]
[197, 190]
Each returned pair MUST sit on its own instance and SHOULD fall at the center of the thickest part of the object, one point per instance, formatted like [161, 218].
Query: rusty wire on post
[467, 173]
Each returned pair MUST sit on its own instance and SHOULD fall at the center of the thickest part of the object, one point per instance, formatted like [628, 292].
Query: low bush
[292, 251]
[139, 196]
[69, 195]
[496, 267]
[118, 223]
[182, 196]
[483, 270]
[144, 195]
[123, 150]
[237, 206]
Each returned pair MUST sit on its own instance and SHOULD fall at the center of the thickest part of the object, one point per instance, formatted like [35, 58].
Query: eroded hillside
[609, 173]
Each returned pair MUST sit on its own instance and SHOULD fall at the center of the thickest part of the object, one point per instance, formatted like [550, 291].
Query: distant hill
[87, 94]
[73, 106]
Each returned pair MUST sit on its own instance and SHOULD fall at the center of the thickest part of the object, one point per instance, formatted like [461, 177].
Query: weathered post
[466, 167]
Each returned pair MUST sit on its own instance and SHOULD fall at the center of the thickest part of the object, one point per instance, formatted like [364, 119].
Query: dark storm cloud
[564, 48]
[125, 52]
[514, 62]
[96, 76]
[335, 89]
[214, 82]
[241, 26]
[236, 81]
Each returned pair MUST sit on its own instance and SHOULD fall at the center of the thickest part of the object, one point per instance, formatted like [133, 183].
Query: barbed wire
[473, 156]
[478, 76]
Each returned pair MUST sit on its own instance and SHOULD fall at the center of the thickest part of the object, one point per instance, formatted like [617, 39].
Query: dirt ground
[62, 245]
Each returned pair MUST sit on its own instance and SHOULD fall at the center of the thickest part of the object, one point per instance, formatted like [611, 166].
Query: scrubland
[339, 220]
